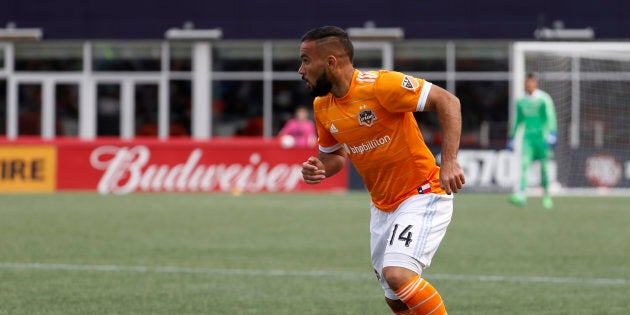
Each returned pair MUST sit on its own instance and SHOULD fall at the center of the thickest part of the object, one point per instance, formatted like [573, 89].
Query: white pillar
[48, 109]
[87, 97]
[201, 119]
[127, 110]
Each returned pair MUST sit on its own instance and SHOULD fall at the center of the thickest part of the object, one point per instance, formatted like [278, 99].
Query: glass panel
[286, 56]
[108, 110]
[146, 118]
[49, 56]
[482, 56]
[420, 56]
[237, 56]
[67, 109]
[127, 56]
[180, 92]
[181, 56]
[483, 101]
[604, 118]
[29, 109]
[287, 96]
[237, 108]
[368, 59]
[3, 107]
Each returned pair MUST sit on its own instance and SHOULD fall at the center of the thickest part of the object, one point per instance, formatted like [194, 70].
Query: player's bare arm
[449, 115]
[316, 169]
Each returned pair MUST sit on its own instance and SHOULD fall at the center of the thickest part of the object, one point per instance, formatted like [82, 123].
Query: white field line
[307, 273]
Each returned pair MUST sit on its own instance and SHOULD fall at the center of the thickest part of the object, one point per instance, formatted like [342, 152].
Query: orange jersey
[374, 124]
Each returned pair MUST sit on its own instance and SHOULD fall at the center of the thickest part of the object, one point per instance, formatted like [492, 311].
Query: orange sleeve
[327, 143]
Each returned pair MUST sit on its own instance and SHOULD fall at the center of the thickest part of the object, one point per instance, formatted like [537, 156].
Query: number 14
[405, 235]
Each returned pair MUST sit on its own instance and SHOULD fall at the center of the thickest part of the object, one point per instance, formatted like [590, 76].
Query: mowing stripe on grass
[306, 273]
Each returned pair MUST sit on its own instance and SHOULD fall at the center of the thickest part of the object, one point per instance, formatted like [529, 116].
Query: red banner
[236, 165]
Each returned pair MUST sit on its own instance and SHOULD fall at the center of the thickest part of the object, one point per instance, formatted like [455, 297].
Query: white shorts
[410, 235]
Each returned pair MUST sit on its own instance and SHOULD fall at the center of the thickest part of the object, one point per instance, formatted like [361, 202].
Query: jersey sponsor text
[370, 145]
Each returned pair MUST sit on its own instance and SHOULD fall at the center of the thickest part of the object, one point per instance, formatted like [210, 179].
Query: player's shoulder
[388, 75]
[393, 79]
[538, 93]
[544, 96]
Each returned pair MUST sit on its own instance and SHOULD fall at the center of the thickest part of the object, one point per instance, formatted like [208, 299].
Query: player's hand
[510, 145]
[551, 139]
[451, 176]
[313, 171]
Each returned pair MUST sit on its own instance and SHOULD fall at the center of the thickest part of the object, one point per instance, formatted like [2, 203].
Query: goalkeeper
[536, 112]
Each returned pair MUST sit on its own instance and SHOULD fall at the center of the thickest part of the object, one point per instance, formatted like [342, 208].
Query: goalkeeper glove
[510, 144]
[552, 139]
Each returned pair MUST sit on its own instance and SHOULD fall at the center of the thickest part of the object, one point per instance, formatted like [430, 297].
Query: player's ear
[332, 61]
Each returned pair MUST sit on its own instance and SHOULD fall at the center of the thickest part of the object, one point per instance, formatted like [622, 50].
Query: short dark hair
[331, 31]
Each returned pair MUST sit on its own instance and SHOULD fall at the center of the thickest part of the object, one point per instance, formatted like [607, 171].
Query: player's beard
[322, 86]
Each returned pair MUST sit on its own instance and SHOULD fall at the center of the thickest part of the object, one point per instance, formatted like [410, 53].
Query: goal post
[590, 85]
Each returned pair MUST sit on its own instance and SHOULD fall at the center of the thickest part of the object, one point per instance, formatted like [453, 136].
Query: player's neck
[341, 86]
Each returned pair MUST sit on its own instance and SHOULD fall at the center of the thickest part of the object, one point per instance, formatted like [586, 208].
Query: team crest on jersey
[367, 117]
[410, 83]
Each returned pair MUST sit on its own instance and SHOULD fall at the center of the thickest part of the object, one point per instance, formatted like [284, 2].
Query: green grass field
[80, 253]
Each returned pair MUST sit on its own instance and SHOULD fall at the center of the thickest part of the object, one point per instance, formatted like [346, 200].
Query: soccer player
[536, 112]
[367, 117]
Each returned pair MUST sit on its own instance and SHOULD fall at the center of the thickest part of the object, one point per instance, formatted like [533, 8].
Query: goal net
[590, 85]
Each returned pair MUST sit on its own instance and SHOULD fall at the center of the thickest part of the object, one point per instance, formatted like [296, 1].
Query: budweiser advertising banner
[236, 165]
